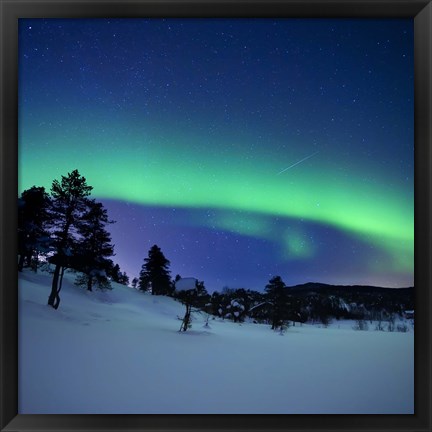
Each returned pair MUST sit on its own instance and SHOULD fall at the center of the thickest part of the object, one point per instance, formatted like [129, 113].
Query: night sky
[244, 148]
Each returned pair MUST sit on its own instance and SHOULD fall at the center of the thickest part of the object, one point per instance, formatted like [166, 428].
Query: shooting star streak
[300, 161]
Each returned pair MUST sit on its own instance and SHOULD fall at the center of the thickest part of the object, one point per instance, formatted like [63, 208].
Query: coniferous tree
[259, 307]
[68, 206]
[33, 237]
[135, 281]
[95, 248]
[216, 304]
[155, 274]
[114, 272]
[241, 304]
[277, 297]
[116, 275]
[123, 278]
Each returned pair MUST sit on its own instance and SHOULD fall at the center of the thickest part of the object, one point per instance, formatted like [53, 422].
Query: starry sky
[244, 148]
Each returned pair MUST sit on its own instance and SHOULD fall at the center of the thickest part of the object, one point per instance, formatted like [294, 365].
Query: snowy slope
[120, 352]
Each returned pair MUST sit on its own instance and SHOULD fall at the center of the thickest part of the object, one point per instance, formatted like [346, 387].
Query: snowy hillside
[120, 352]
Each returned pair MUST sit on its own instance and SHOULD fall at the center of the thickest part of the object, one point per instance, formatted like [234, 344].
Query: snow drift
[120, 352]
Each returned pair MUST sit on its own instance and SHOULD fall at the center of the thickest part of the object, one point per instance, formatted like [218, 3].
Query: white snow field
[120, 352]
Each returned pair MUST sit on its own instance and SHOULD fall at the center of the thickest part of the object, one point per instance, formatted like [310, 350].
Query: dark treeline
[67, 229]
[279, 305]
[312, 302]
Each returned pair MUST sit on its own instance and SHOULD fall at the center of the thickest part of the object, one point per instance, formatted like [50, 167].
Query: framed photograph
[215, 215]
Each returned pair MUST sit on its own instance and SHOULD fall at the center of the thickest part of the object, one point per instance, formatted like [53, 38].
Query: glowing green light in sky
[181, 171]
[241, 133]
[297, 245]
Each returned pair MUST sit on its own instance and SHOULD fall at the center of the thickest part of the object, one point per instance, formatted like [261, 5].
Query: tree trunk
[89, 283]
[35, 263]
[29, 255]
[54, 286]
[54, 299]
[61, 279]
[57, 297]
[21, 262]
[275, 322]
[186, 319]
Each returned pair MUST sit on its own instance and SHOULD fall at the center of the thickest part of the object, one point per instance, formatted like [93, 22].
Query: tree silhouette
[155, 274]
[277, 297]
[193, 294]
[33, 237]
[67, 209]
[95, 247]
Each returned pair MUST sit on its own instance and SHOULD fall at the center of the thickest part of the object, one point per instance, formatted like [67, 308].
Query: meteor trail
[300, 161]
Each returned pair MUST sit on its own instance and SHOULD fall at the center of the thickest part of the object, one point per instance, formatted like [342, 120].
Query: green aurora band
[189, 171]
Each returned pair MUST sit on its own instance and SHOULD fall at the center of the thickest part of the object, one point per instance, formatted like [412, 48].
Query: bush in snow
[93, 278]
[283, 327]
[325, 320]
[402, 328]
[207, 325]
[361, 324]
[391, 323]
[379, 326]
[192, 294]
[237, 310]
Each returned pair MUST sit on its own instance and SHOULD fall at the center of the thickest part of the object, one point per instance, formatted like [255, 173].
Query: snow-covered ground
[120, 352]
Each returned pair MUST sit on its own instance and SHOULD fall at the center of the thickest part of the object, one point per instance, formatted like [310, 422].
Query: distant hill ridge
[364, 288]
[369, 298]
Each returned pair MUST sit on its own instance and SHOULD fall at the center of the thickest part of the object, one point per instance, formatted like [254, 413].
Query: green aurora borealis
[173, 153]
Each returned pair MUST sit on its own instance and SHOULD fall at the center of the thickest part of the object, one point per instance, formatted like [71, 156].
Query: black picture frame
[11, 10]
